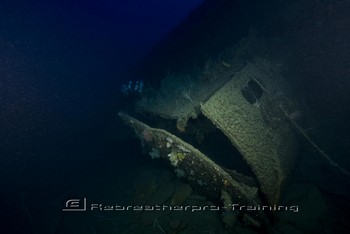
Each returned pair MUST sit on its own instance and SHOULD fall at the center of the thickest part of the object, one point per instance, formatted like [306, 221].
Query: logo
[78, 204]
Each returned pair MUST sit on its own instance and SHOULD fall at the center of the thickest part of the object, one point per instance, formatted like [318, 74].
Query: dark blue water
[62, 64]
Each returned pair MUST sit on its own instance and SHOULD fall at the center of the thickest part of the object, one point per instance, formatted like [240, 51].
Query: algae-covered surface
[179, 96]
[257, 130]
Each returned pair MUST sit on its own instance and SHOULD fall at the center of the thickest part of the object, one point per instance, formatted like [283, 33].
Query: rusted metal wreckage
[252, 107]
